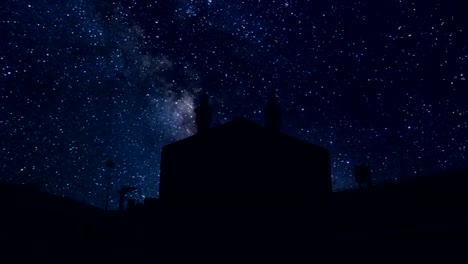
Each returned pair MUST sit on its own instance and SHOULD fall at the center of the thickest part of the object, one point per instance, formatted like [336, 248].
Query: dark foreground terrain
[390, 220]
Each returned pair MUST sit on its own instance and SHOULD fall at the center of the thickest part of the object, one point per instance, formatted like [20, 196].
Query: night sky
[87, 81]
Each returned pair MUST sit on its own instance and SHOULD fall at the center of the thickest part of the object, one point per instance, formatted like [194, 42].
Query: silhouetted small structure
[131, 204]
[362, 175]
[139, 205]
[241, 163]
[123, 191]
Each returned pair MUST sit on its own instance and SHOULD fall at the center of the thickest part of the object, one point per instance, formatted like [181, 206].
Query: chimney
[203, 114]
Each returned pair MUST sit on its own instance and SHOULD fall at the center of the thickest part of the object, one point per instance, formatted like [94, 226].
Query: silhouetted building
[241, 163]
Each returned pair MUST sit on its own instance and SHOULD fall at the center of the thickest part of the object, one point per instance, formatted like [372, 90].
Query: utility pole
[399, 143]
[110, 165]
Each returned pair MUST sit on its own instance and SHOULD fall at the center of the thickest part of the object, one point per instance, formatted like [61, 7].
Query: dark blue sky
[85, 81]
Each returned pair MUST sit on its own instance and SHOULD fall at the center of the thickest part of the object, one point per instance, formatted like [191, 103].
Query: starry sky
[87, 81]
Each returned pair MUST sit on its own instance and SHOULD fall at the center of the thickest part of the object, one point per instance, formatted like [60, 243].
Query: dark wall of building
[242, 164]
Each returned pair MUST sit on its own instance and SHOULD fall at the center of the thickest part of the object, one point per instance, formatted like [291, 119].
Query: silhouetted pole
[109, 164]
[399, 143]
[416, 164]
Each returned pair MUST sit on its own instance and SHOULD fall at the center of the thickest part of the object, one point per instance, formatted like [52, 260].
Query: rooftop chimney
[203, 114]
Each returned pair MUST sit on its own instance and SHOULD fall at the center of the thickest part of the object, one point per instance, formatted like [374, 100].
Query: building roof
[243, 129]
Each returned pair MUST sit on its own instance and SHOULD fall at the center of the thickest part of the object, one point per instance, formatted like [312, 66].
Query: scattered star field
[87, 81]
